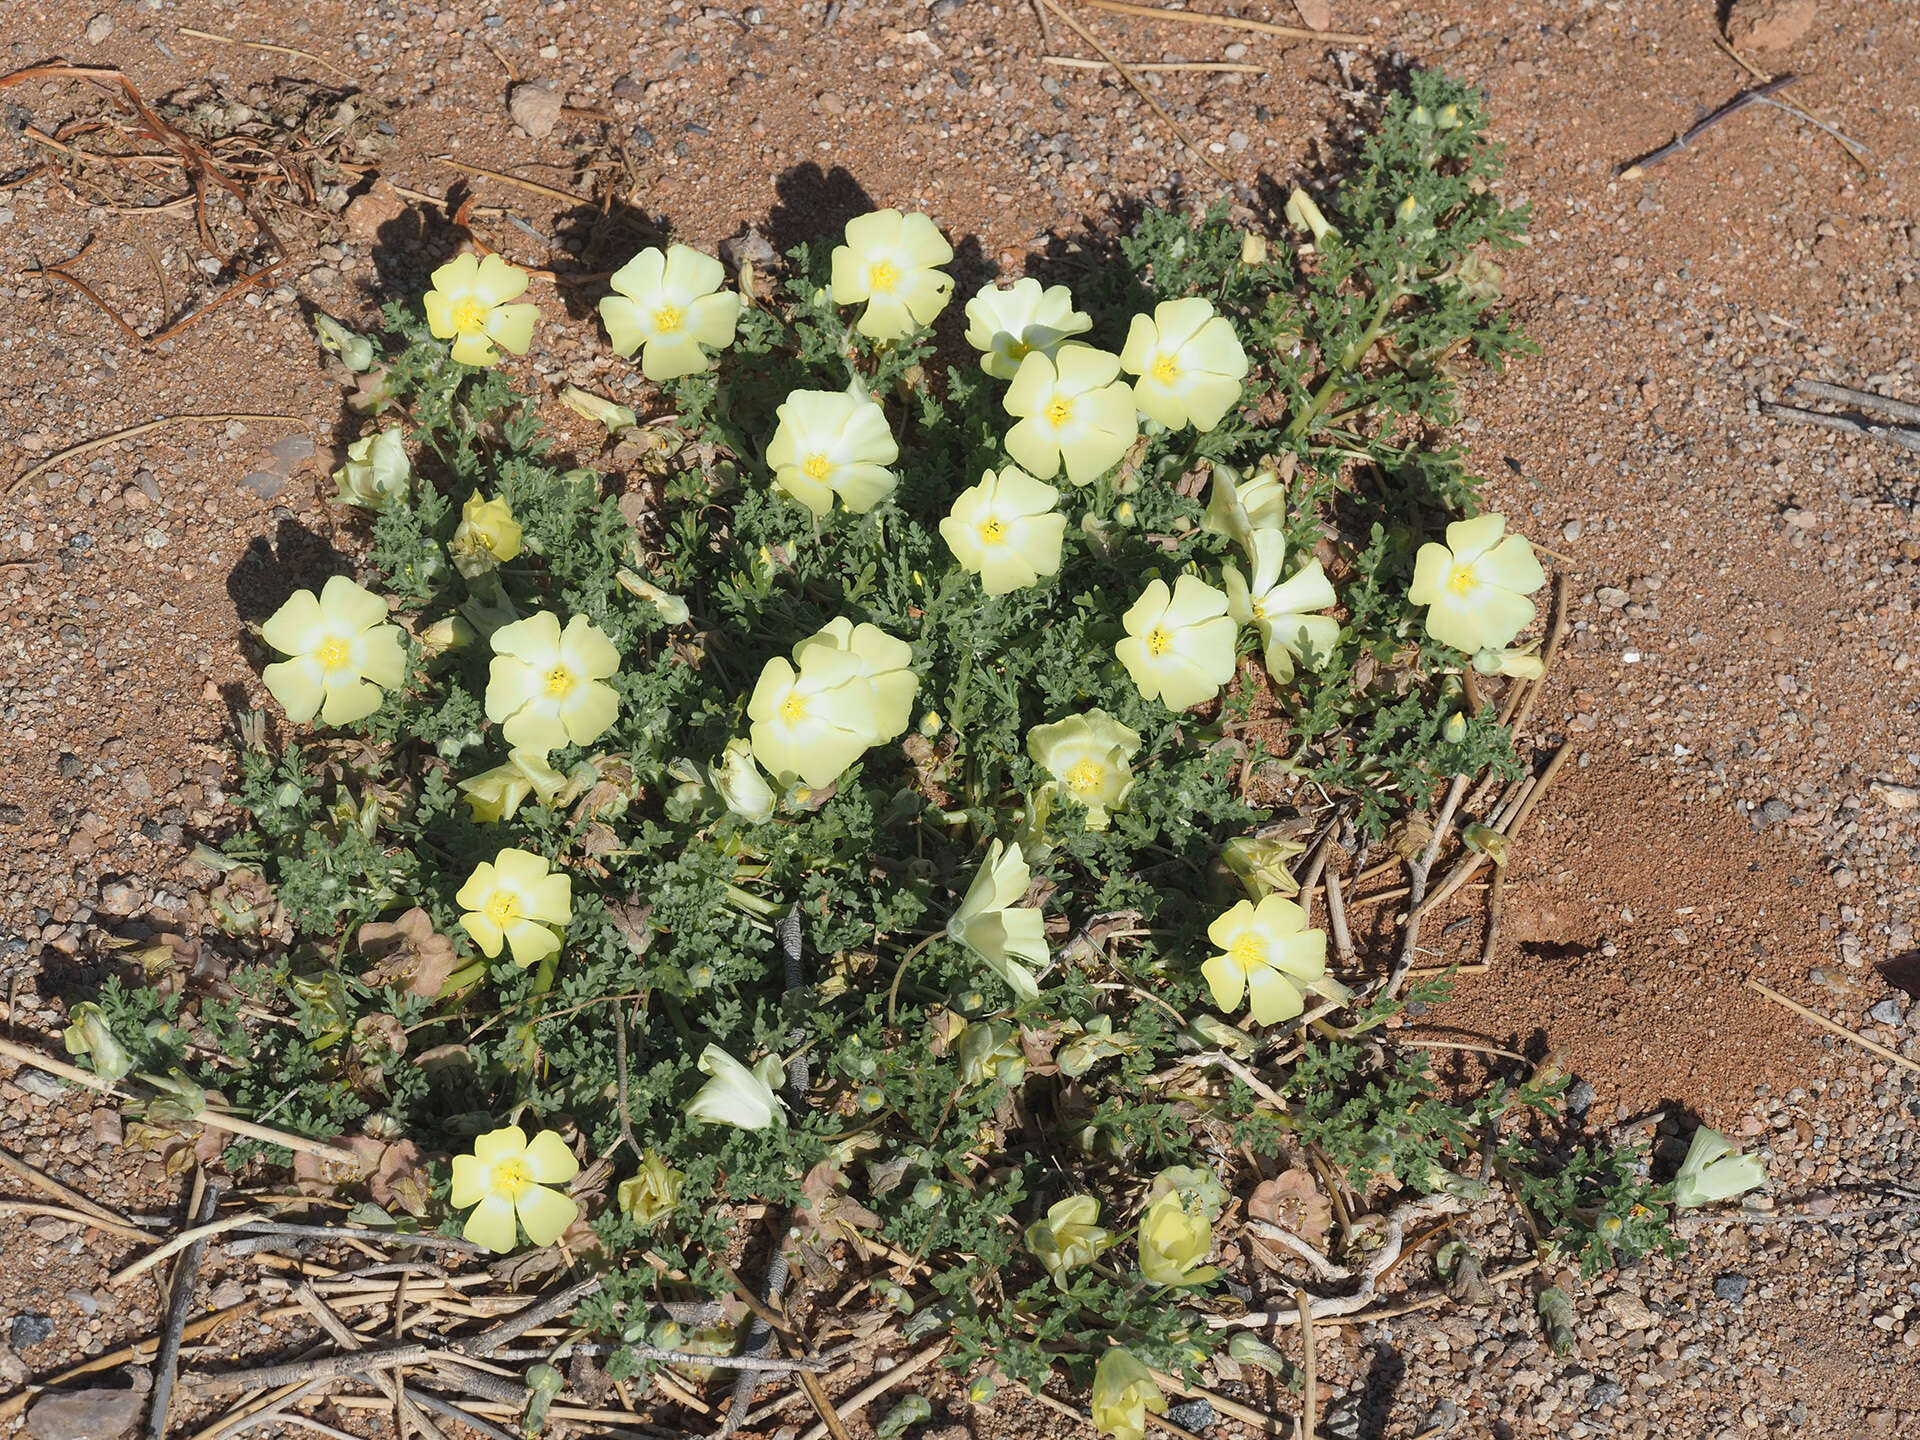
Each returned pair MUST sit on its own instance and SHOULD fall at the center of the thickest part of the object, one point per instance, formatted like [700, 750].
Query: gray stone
[1774, 811]
[1579, 1098]
[1730, 1287]
[1195, 1415]
[1887, 1012]
[1604, 1392]
[85, 1414]
[29, 1329]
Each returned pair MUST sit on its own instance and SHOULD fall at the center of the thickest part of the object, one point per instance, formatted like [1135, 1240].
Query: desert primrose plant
[886, 814]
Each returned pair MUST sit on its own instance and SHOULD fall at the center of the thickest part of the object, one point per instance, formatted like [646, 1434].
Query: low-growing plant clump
[873, 788]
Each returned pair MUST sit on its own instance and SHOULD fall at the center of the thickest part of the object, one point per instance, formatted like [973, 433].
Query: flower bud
[1253, 249]
[615, 417]
[89, 1034]
[1303, 214]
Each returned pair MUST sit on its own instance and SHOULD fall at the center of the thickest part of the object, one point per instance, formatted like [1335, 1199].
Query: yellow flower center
[511, 1179]
[470, 316]
[1159, 641]
[793, 709]
[502, 908]
[667, 319]
[1059, 411]
[560, 680]
[334, 655]
[1086, 777]
[992, 532]
[1461, 579]
[1259, 608]
[882, 276]
[1018, 349]
[1249, 952]
[817, 466]
[1164, 370]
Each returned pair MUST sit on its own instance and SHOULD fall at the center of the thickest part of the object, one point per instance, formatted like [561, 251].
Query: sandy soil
[1742, 666]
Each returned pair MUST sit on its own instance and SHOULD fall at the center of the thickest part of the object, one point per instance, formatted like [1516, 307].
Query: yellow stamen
[1059, 412]
[502, 908]
[334, 655]
[1159, 641]
[1462, 579]
[817, 466]
[1086, 777]
[1249, 952]
[881, 276]
[666, 320]
[1259, 608]
[992, 532]
[510, 1179]
[1019, 350]
[793, 709]
[470, 316]
[559, 681]
[1164, 370]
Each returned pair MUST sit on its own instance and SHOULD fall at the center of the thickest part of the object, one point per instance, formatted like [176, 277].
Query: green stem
[1330, 389]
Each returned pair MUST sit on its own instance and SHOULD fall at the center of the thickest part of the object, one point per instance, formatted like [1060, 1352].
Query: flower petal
[546, 1214]
[549, 1161]
[492, 1225]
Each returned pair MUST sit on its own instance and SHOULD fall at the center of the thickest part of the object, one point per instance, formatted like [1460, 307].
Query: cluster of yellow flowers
[849, 688]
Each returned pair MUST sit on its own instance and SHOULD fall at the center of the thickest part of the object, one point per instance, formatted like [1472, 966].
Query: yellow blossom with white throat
[468, 305]
[1123, 1393]
[1006, 530]
[735, 1095]
[885, 664]
[890, 261]
[547, 687]
[813, 722]
[995, 926]
[343, 654]
[486, 536]
[516, 900]
[833, 442]
[1476, 585]
[671, 307]
[377, 471]
[1267, 957]
[498, 793]
[1007, 323]
[1089, 757]
[1179, 646]
[1073, 412]
[1188, 362]
[508, 1178]
[1283, 612]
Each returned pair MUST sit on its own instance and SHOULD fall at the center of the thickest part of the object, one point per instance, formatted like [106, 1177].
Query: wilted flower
[486, 535]
[1199, 1189]
[468, 305]
[1008, 323]
[812, 722]
[497, 793]
[1088, 755]
[1268, 956]
[833, 442]
[1238, 506]
[1176, 1232]
[649, 1196]
[547, 687]
[1179, 644]
[1522, 664]
[889, 261]
[355, 351]
[1005, 530]
[1123, 1393]
[991, 923]
[1073, 410]
[884, 663]
[1253, 248]
[1189, 362]
[344, 654]
[1281, 611]
[740, 785]
[1305, 215]
[594, 407]
[89, 1034]
[506, 1177]
[1261, 864]
[1097, 1042]
[991, 1053]
[1069, 1237]
[736, 1095]
[1715, 1170]
[673, 608]
[668, 306]
[1476, 585]
[515, 899]
[377, 471]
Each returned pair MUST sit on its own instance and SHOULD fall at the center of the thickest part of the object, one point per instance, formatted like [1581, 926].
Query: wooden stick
[1865, 399]
[138, 1352]
[1230, 22]
[1309, 1391]
[166, 1365]
[1157, 67]
[1845, 424]
[1804, 1013]
[1267, 1424]
[346, 75]
[505, 179]
[879, 1386]
[74, 452]
[78, 1217]
[1633, 169]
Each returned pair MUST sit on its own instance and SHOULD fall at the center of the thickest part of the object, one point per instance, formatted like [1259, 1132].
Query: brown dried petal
[1293, 1202]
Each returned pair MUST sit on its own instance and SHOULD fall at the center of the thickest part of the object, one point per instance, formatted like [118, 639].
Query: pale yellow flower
[670, 307]
[1476, 585]
[889, 261]
[1073, 410]
[833, 442]
[344, 654]
[1189, 362]
[1069, 1237]
[507, 1177]
[1123, 1393]
[486, 535]
[1005, 530]
[814, 722]
[1715, 1170]
[736, 1095]
[885, 663]
[649, 1196]
[1008, 323]
[1088, 756]
[1175, 1235]
[377, 471]
[1179, 644]
[1305, 215]
[991, 923]
[1267, 956]
[546, 687]
[497, 793]
[1283, 611]
[616, 418]
[468, 305]
[514, 900]
[1239, 505]
[740, 785]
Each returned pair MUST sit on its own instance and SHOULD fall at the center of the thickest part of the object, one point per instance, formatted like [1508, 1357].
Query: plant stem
[1331, 388]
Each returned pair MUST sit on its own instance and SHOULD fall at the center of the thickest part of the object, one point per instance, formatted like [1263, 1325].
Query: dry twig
[1833, 1026]
[1230, 22]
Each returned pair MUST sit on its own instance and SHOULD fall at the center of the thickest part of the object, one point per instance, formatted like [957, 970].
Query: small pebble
[29, 1330]
[1730, 1287]
[1774, 811]
[1887, 1012]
